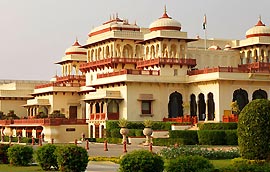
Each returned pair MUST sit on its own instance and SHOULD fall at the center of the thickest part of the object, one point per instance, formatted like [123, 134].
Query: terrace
[42, 122]
[256, 67]
[166, 61]
[109, 62]
[129, 71]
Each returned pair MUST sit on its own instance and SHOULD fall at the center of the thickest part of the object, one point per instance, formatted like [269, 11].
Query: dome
[227, 47]
[75, 49]
[165, 23]
[258, 30]
[214, 47]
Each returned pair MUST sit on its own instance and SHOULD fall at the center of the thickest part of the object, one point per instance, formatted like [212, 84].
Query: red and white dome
[76, 49]
[258, 30]
[165, 23]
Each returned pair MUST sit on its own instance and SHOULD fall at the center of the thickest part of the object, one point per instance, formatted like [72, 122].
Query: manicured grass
[9, 168]
[221, 163]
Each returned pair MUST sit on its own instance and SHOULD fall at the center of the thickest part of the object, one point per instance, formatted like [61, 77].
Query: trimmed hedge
[231, 137]
[190, 164]
[20, 155]
[157, 125]
[115, 133]
[3, 153]
[135, 132]
[190, 137]
[46, 158]
[211, 137]
[71, 158]
[218, 126]
[168, 141]
[141, 161]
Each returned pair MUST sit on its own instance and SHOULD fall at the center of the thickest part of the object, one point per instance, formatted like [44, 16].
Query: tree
[254, 130]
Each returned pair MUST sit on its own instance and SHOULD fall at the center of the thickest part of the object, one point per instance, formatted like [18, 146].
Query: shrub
[139, 132]
[254, 130]
[46, 158]
[3, 153]
[142, 161]
[189, 163]
[231, 137]
[20, 155]
[71, 158]
[246, 168]
[168, 141]
[174, 152]
[190, 137]
[113, 124]
[211, 137]
[91, 139]
[115, 133]
[218, 126]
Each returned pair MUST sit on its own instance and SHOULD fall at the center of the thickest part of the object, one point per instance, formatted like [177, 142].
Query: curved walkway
[114, 150]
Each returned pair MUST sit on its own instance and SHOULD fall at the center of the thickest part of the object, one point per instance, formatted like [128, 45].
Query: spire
[165, 15]
[260, 23]
[76, 43]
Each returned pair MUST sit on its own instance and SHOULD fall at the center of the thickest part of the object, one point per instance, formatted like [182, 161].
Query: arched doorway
[210, 106]
[91, 131]
[193, 105]
[259, 94]
[175, 106]
[241, 96]
[201, 107]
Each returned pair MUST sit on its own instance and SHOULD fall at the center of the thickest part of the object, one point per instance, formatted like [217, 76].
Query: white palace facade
[157, 73]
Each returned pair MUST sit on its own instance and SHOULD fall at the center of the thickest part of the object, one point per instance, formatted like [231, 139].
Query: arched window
[201, 106]
[210, 106]
[173, 51]
[259, 94]
[127, 51]
[193, 105]
[152, 52]
[175, 106]
[241, 96]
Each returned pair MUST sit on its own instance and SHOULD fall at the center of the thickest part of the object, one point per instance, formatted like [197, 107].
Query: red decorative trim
[83, 53]
[260, 23]
[112, 28]
[257, 34]
[165, 28]
[76, 44]
[99, 32]
[124, 28]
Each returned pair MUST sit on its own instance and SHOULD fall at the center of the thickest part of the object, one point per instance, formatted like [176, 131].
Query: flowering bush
[174, 152]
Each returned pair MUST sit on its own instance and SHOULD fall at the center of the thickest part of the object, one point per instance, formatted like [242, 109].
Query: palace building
[156, 73]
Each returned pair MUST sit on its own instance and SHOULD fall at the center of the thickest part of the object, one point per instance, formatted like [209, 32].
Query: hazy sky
[34, 34]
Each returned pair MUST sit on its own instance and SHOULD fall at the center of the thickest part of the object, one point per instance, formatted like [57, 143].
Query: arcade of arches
[205, 110]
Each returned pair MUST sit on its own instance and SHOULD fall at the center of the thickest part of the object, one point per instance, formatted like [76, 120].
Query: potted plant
[147, 131]
[122, 123]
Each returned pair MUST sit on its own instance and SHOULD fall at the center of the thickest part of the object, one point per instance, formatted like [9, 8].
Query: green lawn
[8, 168]
[221, 163]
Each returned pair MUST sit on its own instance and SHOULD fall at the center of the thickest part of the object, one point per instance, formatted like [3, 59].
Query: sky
[34, 34]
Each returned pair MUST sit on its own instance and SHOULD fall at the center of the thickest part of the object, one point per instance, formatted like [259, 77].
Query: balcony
[129, 71]
[70, 78]
[166, 61]
[102, 116]
[109, 62]
[43, 122]
[184, 119]
[55, 84]
[255, 67]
